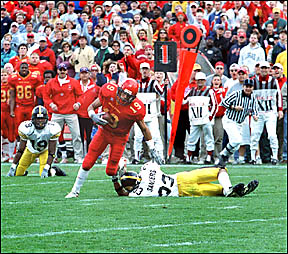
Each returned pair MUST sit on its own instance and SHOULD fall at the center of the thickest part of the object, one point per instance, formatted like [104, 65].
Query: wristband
[150, 144]
[91, 112]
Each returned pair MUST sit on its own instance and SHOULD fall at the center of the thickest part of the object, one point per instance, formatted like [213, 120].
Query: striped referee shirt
[150, 86]
[239, 98]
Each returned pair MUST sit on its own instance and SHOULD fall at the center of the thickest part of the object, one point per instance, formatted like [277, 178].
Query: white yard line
[47, 234]
[49, 201]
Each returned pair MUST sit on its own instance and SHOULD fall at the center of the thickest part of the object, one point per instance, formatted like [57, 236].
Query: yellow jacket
[282, 59]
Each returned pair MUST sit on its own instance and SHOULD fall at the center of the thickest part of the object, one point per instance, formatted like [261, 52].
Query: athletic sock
[224, 180]
[80, 179]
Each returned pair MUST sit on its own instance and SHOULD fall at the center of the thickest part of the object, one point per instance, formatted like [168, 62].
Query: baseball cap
[209, 38]
[219, 63]
[148, 46]
[93, 67]
[243, 70]
[62, 65]
[209, 2]
[196, 67]
[84, 69]
[248, 82]
[71, 3]
[240, 34]
[14, 24]
[200, 75]
[264, 64]
[145, 65]
[30, 35]
[219, 26]
[42, 38]
[75, 31]
[278, 65]
[234, 66]
[108, 3]
[276, 9]
[104, 38]
[195, 4]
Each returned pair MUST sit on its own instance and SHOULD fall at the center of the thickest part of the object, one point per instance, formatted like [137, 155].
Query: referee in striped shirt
[238, 105]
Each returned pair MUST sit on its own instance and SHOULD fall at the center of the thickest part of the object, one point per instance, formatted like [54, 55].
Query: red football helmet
[127, 92]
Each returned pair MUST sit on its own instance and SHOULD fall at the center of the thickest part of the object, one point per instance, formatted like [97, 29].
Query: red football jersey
[24, 87]
[15, 60]
[5, 97]
[124, 115]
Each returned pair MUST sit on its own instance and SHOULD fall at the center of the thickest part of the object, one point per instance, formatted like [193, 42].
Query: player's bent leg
[26, 159]
[210, 189]
[42, 161]
[251, 186]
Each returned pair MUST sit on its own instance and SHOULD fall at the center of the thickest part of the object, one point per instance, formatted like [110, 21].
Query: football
[108, 117]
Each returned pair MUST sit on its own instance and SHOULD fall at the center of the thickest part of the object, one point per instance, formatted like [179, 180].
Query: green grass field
[36, 218]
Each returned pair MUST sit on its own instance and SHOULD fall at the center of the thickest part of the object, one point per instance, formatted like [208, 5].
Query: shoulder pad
[25, 129]
[55, 129]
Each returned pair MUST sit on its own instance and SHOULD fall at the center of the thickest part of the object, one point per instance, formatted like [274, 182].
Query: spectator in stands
[6, 53]
[216, 13]
[208, 9]
[282, 59]
[20, 20]
[44, 52]
[219, 69]
[112, 71]
[233, 71]
[36, 17]
[167, 7]
[24, 9]
[64, 57]
[21, 55]
[57, 45]
[280, 46]
[55, 20]
[175, 30]
[116, 54]
[221, 42]
[252, 53]
[198, 20]
[70, 15]
[128, 52]
[82, 56]
[144, 11]
[39, 28]
[16, 36]
[74, 39]
[163, 35]
[64, 105]
[134, 8]
[108, 10]
[5, 22]
[59, 25]
[235, 14]
[116, 26]
[213, 54]
[102, 51]
[32, 45]
[278, 23]
[124, 14]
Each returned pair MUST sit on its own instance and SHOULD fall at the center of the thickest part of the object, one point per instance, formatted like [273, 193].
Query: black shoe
[252, 162]
[25, 173]
[222, 161]
[274, 162]
[236, 191]
[251, 186]
[55, 170]
[135, 162]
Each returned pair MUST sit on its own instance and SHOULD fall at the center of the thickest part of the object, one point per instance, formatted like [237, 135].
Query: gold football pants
[198, 182]
[27, 158]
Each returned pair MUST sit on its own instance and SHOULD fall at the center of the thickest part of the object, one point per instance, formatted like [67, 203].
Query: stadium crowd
[86, 44]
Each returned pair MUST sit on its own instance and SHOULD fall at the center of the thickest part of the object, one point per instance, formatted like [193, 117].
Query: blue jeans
[285, 137]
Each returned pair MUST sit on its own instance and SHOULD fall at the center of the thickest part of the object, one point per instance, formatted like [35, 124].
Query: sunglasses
[6, 44]
[263, 67]
[241, 37]
[162, 32]
[197, 70]
[233, 70]
[62, 69]
[115, 45]
[30, 37]
[219, 68]
[59, 24]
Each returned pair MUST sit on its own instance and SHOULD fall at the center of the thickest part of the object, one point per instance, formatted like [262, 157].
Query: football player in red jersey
[125, 109]
[7, 122]
[22, 94]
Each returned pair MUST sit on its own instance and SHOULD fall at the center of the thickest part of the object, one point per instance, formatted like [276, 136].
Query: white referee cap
[200, 75]
[264, 64]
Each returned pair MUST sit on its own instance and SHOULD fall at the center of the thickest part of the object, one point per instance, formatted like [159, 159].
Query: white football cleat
[72, 195]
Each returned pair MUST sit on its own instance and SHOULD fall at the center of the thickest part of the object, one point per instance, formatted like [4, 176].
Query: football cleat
[56, 171]
[72, 195]
[135, 161]
[274, 162]
[235, 191]
[222, 161]
[252, 162]
[251, 186]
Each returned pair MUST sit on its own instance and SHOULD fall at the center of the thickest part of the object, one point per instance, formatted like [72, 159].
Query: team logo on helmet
[39, 117]
[127, 92]
[130, 180]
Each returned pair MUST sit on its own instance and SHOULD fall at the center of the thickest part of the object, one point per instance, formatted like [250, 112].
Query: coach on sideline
[239, 105]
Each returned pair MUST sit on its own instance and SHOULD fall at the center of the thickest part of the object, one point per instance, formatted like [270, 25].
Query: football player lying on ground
[38, 138]
[152, 182]
[122, 109]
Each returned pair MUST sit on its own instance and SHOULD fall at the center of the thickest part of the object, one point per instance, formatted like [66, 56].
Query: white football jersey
[155, 183]
[38, 139]
[151, 103]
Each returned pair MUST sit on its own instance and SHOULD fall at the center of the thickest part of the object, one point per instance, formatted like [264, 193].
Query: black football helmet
[39, 117]
[130, 180]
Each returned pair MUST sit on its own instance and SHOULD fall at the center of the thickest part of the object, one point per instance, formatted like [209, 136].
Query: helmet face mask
[127, 92]
[39, 117]
[130, 180]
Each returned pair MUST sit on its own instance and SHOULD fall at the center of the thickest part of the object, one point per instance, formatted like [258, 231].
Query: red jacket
[46, 54]
[174, 32]
[27, 10]
[63, 96]
[281, 81]
[88, 97]
[220, 95]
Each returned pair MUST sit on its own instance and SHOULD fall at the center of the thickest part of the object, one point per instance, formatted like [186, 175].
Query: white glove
[156, 157]
[45, 171]
[97, 118]
[12, 170]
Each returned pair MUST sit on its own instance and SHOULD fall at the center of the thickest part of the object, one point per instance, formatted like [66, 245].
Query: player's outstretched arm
[17, 157]
[119, 189]
[51, 154]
